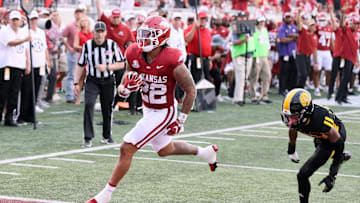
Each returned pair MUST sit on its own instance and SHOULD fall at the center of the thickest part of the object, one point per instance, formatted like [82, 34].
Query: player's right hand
[132, 81]
[329, 183]
[175, 127]
[294, 157]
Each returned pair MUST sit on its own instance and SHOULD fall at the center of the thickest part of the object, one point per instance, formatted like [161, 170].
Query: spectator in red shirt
[219, 29]
[348, 54]
[117, 31]
[191, 37]
[305, 48]
[82, 36]
[241, 5]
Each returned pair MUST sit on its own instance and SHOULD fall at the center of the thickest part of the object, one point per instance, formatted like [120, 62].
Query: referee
[102, 57]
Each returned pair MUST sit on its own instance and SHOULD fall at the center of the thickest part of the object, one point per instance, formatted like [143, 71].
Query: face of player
[99, 37]
[34, 23]
[322, 23]
[116, 20]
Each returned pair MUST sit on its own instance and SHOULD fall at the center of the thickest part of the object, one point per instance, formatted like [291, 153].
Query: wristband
[182, 117]
[291, 149]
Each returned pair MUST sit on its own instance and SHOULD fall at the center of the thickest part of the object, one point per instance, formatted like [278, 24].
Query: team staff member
[242, 52]
[13, 42]
[40, 58]
[191, 38]
[336, 51]
[117, 31]
[288, 34]
[102, 57]
[301, 115]
[348, 55]
[305, 48]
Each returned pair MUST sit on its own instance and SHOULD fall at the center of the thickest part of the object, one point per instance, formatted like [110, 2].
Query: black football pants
[94, 87]
[320, 156]
[9, 91]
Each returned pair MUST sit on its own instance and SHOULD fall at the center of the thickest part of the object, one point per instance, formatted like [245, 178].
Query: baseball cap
[176, 15]
[217, 41]
[243, 13]
[100, 26]
[116, 12]
[15, 15]
[140, 19]
[202, 15]
[260, 19]
[44, 12]
[33, 14]
[128, 17]
[80, 7]
[287, 14]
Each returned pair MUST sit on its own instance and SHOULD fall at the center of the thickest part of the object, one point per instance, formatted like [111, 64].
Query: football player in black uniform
[301, 115]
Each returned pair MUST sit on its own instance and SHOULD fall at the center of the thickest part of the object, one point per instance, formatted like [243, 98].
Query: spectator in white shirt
[14, 65]
[40, 58]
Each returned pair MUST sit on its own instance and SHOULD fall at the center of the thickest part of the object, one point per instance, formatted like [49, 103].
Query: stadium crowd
[292, 43]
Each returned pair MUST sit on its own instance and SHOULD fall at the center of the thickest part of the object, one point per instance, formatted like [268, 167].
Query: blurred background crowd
[309, 44]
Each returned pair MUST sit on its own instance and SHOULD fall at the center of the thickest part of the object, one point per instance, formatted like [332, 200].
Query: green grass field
[253, 163]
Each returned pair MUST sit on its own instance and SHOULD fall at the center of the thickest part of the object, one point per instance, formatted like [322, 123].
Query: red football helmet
[154, 33]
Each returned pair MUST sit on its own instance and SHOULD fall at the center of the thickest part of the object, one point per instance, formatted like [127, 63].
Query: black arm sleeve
[338, 157]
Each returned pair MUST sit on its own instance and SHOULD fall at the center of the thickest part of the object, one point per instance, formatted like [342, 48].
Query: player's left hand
[329, 183]
[175, 127]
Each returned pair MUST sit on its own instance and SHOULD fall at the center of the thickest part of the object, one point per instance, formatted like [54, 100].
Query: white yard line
[30, 199]
[279, 137]
[350, 118]
[216, 138]
[258, 131]
[146, 150]
[73, 160]
[9, 173]
[220, 165]
[350, 121]
[63, 112]
[34, 165]
[8, 161]
[276, 128]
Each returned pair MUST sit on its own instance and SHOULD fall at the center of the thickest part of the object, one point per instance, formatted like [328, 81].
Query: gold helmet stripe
[288, 98]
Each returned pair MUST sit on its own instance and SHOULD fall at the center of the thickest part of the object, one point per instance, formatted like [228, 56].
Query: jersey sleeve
[130, 55]
[177, 58]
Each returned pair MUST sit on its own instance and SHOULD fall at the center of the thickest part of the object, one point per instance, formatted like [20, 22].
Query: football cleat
[91, 201]
[347, 156]
[213, 165]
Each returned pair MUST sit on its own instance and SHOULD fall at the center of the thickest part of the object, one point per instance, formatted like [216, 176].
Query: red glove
[132, 81]
[178, 125]
[175, 127]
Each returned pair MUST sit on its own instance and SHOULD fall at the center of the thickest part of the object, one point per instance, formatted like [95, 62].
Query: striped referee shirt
[93, 54]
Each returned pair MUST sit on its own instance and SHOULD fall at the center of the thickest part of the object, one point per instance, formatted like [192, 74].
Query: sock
[105, 195]
[207, 153]
[110, 187]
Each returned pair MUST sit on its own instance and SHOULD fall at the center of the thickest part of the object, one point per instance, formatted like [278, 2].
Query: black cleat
[347, 156]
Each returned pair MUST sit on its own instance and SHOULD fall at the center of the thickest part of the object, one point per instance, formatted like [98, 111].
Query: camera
[243, 27]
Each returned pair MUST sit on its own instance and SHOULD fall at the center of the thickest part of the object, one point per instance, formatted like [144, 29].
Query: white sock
[207, 153]
[105, 195]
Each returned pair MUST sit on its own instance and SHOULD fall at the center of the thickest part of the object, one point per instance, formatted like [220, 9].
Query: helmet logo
[305, 99]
